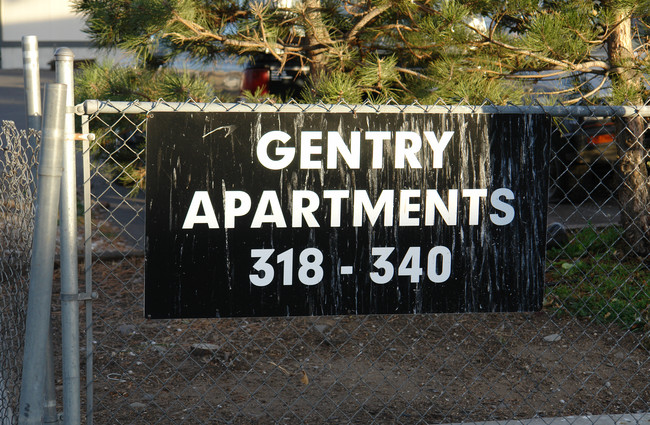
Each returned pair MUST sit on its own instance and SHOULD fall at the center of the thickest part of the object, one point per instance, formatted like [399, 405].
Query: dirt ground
[353, 369]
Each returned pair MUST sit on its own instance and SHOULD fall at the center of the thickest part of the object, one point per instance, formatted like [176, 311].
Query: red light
[601, 139]
[254, 79]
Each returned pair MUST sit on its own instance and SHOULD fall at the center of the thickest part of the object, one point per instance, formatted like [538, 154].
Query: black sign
[285, 214]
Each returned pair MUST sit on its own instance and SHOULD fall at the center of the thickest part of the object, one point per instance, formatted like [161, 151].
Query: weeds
[592, 277]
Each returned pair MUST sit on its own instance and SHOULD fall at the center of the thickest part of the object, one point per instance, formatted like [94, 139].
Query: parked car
[584, 159]
[265, 75]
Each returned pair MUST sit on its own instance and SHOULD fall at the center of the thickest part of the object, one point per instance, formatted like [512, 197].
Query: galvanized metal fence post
[31, 74]
[32, 81]
[69, 263]
[86, 139]
[42, 263]
[50, 415]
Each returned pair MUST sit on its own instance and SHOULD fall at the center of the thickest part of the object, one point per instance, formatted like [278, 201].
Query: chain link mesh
[18, 159]
[586, 353]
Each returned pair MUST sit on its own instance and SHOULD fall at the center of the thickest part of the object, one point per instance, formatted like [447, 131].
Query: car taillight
[254, 79]
[601, 139]
[603, 130]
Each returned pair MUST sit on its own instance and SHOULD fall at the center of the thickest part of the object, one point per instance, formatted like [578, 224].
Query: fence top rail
[91, 107]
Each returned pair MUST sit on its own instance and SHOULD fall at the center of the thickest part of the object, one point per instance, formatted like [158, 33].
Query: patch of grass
[590, 278]
[588, 241]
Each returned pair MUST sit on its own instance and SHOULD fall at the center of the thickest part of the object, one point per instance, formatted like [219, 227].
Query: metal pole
[50, 415]
[31, 73]
[42, 263]
[32, 82]
[69, 265]
[88, 261]
[90, 107]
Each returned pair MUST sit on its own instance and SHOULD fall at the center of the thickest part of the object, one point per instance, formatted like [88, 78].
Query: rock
[204, 349]
[556, 235]
[552, 338]
[321, 328]
[138, 406]
[126, 329]
[159, 348]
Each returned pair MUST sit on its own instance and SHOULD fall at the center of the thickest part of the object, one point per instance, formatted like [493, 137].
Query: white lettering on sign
[378, 138]
[308, 150]
[200, 200]
[310, 270]
[507, 209]
[406, 208]
[362, 202]
[301, 210]
[336, 198]
[474, 196]
[407, 145]
[235, 204]
[435, 203]
[269, 199]
[336, 144]
[305, 204]
[286, 154]
[406, 151]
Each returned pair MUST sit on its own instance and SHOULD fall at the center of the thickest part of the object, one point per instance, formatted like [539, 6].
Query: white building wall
[52, 21]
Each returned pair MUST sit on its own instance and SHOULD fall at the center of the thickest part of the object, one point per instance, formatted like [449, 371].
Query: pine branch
[413, 73]
[365, 20]
[408, 45]
[490, 39]
[572, 89]
[582, 37]
[347, 5]
[202, 33]
[258, 11]
[588, 95]
[580, 67]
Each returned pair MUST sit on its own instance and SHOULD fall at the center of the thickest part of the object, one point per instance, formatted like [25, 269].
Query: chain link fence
[586, 353]
[18, 160]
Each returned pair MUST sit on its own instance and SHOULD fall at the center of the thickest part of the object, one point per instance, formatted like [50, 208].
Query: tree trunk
[317, 36]
[634, 192]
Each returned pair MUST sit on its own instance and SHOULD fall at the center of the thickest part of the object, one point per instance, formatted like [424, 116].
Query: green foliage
[417, 50]
[258, 96]
[561, 35]
[378, 77]
[454, 11]
[455, 83]
[333, 87]
[127, 24]
[590, 279]
[179, 87]
[622, 92]
[588, 241]
[376, 80]
[109, 82]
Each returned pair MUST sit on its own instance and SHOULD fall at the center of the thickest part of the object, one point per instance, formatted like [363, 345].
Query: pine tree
[420, 50]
